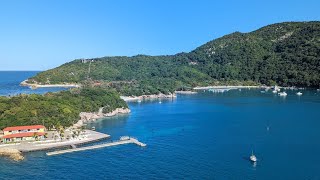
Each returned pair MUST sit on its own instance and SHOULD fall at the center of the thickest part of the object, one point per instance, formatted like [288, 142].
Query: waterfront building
[23, 133]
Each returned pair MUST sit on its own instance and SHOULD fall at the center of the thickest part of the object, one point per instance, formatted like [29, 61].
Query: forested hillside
[286, 54]
[56, 109]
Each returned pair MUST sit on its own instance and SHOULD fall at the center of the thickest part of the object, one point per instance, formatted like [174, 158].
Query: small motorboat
[299, 93]
[274, 91]
[253, 158]
[93, 128]
[123, 138]
[276, 88]
[283, 94]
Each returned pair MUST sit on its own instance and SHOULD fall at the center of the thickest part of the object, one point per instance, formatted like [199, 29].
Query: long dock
[120, 142]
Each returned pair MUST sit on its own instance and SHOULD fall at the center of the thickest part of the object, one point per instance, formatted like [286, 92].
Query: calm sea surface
[203, 136]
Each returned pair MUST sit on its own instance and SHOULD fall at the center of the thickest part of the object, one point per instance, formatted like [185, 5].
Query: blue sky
[39, 35]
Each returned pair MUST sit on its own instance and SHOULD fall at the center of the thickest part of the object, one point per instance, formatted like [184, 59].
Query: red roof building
[24, 133]
[27, 134]
[16, 128]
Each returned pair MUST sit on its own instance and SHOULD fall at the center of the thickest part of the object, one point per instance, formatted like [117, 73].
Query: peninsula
[283, 54]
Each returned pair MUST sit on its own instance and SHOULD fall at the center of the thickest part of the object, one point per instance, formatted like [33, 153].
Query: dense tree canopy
[56, 109]
[285, 53]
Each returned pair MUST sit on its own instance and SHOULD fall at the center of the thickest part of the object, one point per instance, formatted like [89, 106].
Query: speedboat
[283, 94]
[274, 91]
[299, 93]
[253, 158]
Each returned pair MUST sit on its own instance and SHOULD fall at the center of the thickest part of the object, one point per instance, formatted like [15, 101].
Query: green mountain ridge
[286, 54]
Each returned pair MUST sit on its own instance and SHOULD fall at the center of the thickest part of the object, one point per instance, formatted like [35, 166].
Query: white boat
[276, 88]
[253, 158]
[283, 94]
[139, 101]
[123, 138]
[93, 128]
[160, 102]
[299, 93]
[274, 91]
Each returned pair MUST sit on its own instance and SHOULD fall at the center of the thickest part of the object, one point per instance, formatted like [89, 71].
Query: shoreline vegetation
[60, 112]
[56, 109]
[283, 54]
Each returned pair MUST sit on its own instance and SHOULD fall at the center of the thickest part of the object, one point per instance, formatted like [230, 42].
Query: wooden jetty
[120, 142]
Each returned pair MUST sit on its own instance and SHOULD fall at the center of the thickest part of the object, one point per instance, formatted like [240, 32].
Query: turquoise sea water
[203, 136]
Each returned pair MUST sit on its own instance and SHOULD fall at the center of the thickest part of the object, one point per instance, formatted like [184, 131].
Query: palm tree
[35, 136]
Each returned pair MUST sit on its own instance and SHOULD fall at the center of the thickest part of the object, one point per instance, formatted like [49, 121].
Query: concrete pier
[92, 136]
[120, 142]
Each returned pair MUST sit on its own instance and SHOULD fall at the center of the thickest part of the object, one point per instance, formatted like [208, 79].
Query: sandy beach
[223, 87]
[146, 97]
[24, 83]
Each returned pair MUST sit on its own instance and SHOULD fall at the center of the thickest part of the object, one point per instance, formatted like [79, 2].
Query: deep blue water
[10, 80]
[203, 136]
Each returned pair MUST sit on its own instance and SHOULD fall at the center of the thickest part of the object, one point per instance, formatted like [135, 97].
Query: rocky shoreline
[186, 92]
[148, 97]
[86, 117]
[14, 154]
